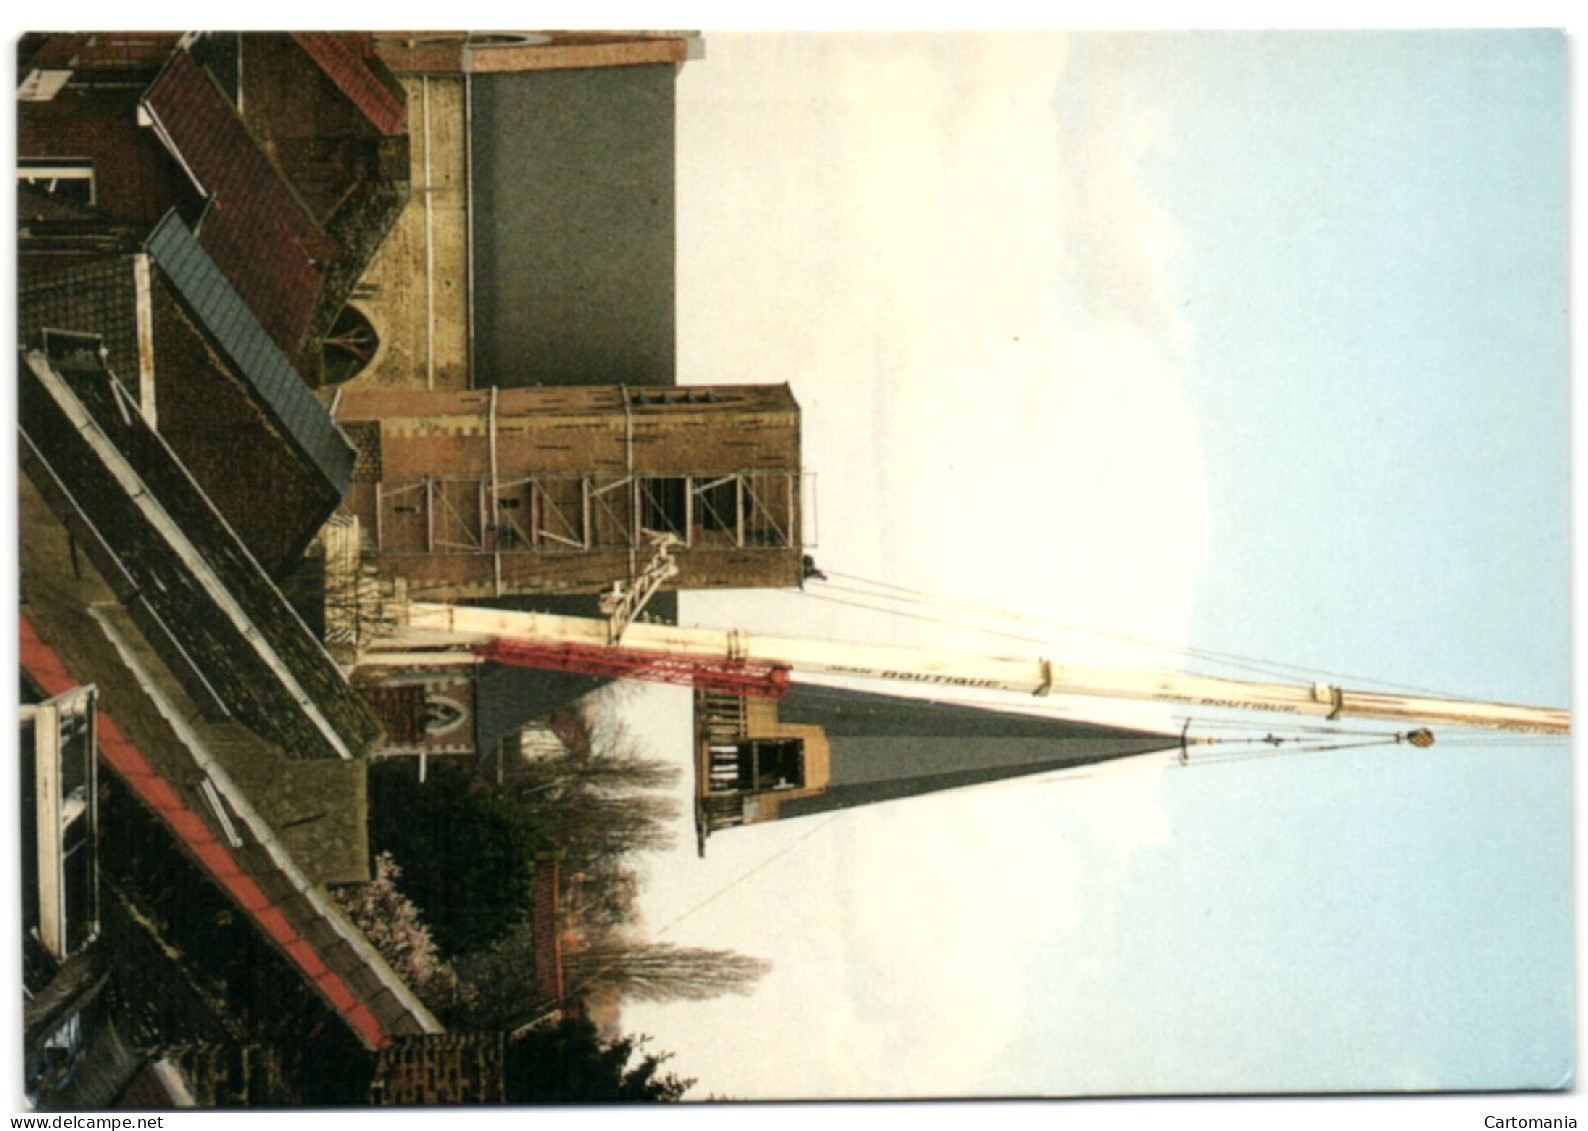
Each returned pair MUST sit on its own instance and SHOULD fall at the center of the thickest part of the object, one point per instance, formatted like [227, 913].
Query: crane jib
[699, 649]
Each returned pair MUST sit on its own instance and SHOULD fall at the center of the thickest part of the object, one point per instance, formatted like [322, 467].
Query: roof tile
[277, 927]
[361, 1019]
[335, 991]
[187, 826]
[307, 959]
[215, 857]
[158, 794]
[340, 59]
[255, 228]
[246, 892]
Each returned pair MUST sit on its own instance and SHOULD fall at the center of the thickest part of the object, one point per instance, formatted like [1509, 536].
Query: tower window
[664, 505]
[674, 396]
[717, 504]
[757, 765]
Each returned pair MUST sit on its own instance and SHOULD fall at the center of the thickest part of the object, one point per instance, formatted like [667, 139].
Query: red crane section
[757, 678]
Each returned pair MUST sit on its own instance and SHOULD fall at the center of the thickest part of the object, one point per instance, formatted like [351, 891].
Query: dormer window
[71, 178]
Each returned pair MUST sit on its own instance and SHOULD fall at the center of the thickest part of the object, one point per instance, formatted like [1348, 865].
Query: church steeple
[821, 749]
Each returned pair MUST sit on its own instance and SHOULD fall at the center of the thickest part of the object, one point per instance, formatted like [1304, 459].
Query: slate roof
[254, 227]
[241, 336]
[886, 747]
[340, 57]
[215, 616]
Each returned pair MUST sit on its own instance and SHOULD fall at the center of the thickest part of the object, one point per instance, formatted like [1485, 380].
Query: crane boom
[924, 667]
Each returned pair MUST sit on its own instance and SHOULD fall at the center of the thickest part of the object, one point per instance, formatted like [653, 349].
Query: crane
[742, 663]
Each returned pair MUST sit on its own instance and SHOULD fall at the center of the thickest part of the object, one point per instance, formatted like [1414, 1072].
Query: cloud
[943, 243]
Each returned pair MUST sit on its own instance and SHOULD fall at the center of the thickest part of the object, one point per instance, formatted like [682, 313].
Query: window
[558, 512]
[673, 396]
[612, 512]
[718, 503]
[60, 818]
[69, 177]
[744, 509]
[757, 765]
[459, 515]
[664, 505]
[769, 508]
[545, 513]
[777, 763]
[443, 715]
[42, 85]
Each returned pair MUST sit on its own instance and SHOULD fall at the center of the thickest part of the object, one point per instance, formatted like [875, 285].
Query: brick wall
[445, 1068]
[134, 177]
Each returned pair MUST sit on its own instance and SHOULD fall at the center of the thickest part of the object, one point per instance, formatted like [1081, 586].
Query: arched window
[349, 347]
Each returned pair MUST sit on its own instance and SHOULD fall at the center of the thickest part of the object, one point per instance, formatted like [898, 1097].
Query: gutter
[124, 474]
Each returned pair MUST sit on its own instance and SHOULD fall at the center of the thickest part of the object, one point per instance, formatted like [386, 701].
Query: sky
[1247, 343]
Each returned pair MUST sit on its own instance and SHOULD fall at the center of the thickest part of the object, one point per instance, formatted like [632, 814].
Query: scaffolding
[562, 513]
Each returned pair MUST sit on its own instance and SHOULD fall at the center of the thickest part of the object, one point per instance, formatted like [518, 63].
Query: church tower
[821, 749]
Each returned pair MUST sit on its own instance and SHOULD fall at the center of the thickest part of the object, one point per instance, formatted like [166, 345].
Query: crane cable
[906, 595]
[1334, 732]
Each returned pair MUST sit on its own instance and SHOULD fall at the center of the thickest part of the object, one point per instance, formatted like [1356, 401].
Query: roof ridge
[350, 72]
[257, 227]
[255, 354]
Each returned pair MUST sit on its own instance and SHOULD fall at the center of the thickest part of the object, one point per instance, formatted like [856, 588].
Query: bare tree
[607, 896]
[599, 796]
[652, 971]
[610, 774]
[587, 825]
[611, 697]
[607, 758]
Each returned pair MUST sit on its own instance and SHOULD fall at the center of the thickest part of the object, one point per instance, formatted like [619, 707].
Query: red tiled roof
[340, 57]
[255, 229]
[128, 763]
